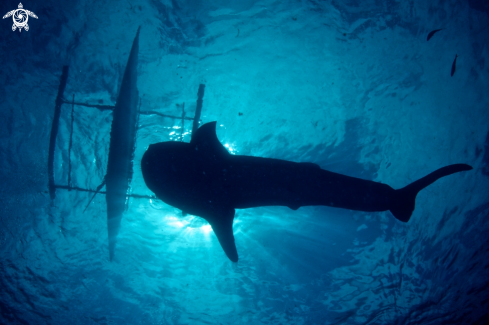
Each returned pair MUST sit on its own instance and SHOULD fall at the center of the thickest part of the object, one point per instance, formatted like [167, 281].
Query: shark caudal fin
[405, 197]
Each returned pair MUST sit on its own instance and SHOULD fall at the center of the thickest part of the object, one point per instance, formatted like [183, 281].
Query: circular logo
[20, 18]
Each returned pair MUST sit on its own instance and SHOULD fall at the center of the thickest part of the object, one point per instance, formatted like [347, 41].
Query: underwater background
[353, 86]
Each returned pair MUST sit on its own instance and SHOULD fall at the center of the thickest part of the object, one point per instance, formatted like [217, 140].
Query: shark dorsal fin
[205, 140]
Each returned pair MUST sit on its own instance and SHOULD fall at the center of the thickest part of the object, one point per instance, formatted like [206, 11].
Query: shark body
[121, 147]
[202, 178]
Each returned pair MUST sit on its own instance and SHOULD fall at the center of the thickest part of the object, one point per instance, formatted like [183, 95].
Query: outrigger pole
[198, 110]
[111, 108]
[54, 131]
[55, 125]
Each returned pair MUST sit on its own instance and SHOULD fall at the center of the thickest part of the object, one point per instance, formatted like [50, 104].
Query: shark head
[189, 176]
[171, 169]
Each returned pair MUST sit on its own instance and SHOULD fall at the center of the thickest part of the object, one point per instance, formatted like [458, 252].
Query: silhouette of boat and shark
[202, 178]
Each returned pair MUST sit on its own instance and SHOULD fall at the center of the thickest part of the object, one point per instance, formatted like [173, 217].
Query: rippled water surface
[353, 86]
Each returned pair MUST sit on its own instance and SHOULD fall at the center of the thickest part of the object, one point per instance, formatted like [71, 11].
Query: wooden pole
[198, 110]
[54, 131]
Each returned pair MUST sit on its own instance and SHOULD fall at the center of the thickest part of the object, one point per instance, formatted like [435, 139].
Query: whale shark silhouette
[202, 178]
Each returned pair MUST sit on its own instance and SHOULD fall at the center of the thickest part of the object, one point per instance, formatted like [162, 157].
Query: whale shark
[203, 179]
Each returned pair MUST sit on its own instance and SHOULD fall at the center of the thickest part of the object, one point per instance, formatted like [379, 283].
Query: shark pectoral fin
[223, 228]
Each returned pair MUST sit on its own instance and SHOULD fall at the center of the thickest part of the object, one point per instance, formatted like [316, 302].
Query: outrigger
[122, 143]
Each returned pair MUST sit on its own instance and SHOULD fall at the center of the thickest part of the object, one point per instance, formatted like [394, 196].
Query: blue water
[350, 85]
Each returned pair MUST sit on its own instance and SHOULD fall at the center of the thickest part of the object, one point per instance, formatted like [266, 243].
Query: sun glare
[175, 222]
[206, 228]
[190, 223]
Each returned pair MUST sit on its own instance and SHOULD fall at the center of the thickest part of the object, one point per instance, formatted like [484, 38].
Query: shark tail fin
[405, 197]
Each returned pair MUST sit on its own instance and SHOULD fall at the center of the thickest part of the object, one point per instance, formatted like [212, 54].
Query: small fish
[454, 64]
[433, 32]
